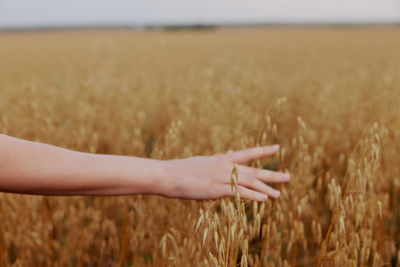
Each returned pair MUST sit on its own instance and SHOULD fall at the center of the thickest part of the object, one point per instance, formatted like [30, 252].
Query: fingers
[264, 175]
[251, 184]
[245, 193]
[257, 185]
[253, 179]
[243, 156]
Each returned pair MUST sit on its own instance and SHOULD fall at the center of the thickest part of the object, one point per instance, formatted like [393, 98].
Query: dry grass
[330, 97]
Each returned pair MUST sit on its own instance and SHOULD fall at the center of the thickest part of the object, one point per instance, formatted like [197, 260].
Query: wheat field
[329, 96]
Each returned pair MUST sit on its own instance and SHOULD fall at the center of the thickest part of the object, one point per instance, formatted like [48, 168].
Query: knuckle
[253, 182]
[223, 157]
[241, 190]
[252, 172]
[219, 159]
[270, 175]
[256, 172]
[269, 189]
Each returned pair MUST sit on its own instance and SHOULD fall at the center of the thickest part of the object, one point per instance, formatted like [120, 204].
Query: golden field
[329, 96]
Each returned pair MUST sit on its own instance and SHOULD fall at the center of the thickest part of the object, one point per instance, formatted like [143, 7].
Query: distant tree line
[178, 27]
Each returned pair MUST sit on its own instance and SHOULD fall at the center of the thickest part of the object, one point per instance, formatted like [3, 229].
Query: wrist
[165, 182]
[161, 178]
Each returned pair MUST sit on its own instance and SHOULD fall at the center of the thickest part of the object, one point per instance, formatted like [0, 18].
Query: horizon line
[166, 26]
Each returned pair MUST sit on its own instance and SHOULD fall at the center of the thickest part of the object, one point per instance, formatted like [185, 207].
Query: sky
[37, 13]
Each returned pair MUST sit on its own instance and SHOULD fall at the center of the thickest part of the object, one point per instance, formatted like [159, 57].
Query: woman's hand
[209, 177]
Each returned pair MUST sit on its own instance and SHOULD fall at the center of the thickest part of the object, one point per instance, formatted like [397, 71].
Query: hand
[209, 177]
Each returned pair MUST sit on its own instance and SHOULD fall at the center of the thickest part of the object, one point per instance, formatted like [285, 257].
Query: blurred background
[97, 13]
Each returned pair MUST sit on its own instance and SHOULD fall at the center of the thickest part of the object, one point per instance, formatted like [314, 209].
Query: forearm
[35, 168]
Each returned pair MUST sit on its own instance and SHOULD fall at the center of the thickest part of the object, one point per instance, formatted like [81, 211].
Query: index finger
[243, 156]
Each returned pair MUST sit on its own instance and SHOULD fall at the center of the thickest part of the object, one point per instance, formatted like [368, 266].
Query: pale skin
[35, 168]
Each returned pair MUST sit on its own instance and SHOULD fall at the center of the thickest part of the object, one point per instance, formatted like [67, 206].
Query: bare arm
[36, 168]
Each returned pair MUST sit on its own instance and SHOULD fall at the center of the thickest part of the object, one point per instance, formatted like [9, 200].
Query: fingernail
[264, 197]
[277, 193]
[287, 176]
[275, 146]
